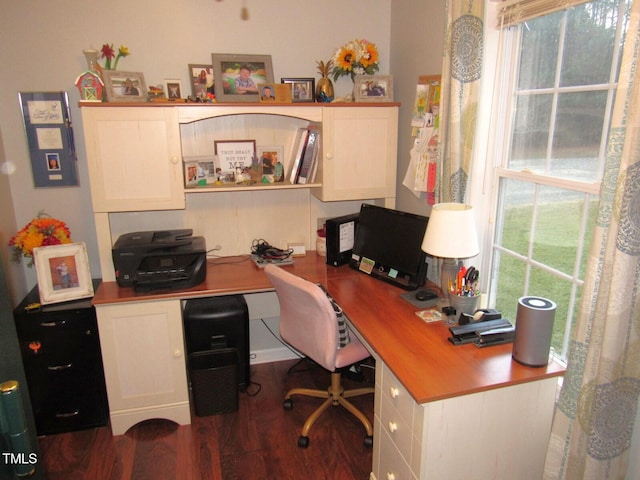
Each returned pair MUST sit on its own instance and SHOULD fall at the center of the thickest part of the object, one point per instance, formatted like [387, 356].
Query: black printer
[171, 259]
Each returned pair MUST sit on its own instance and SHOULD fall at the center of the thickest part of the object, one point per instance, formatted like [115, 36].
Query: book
[310, 156]
[297, 152]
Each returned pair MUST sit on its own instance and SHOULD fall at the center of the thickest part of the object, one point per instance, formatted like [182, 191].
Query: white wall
[42, 51]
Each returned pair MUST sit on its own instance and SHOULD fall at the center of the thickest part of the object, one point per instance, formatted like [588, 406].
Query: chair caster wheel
[287, 404]
[368, 441]
[303, 442]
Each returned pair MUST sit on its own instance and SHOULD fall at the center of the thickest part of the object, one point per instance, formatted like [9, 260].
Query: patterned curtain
[462, 69]
[593, 423]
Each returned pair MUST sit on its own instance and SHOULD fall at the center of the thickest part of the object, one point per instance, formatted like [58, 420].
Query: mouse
[423, 295]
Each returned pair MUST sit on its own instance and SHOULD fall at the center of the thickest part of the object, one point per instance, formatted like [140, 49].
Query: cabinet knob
[394, 392]
[329, 156]
[177, 353]
[174, 159]
[391, 476]
[393, 426]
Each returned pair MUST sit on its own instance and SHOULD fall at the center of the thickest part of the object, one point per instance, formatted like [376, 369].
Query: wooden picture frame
[173, 88]
[373, 88]
[234, 158]
[303, 90]
[202, 79]
[124, 86]
[231, 71]
[274, 93]
[63, 272]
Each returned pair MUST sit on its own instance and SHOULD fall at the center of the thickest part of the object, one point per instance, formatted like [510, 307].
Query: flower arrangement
[108, 53]
[357, 57]
[43, 230]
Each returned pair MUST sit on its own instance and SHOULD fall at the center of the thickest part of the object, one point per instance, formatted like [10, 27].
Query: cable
[263, 249]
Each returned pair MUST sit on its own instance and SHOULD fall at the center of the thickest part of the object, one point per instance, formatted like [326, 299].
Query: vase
[91, 55]
[324, 90]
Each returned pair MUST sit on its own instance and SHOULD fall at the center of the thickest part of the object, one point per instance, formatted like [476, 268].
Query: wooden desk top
[418, 353]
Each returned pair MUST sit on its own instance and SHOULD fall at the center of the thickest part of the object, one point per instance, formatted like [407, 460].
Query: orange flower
[41, 231]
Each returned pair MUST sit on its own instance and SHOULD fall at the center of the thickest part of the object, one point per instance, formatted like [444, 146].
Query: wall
[43, 46]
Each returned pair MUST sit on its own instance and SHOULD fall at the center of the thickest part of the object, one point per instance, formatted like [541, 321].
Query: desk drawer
[398, 430]
[392, 465]
[397, 395]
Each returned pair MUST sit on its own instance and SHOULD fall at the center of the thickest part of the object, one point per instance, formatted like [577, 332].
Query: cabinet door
[359, 153]
[134, 158]
[142, 351]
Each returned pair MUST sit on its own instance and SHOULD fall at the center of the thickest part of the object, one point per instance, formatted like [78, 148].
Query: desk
[442, 411]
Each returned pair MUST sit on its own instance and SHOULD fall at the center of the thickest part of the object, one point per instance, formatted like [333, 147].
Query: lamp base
[448, 275]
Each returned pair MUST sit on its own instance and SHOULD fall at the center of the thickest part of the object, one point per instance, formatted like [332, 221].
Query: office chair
[309, 324]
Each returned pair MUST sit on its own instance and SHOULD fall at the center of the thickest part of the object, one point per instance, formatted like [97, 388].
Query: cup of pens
[465, 304]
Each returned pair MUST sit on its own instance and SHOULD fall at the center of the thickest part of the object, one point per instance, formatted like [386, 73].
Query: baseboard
[271, 355]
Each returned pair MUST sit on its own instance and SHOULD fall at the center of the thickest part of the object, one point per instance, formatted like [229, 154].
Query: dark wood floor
[258, 441]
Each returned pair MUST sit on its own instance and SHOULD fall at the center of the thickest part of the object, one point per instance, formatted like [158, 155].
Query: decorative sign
[47, 123]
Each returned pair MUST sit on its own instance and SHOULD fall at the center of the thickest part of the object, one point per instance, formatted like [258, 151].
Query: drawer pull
[177, 353]
[53, 324]
[393, 426]
[67, 415]
[391, 476]
[59, 367]
[394, 392]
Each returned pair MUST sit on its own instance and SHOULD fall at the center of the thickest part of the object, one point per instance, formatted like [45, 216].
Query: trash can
[214, 380]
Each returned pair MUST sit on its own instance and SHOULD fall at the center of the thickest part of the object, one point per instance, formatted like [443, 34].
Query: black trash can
[211, 323]
[214, 380]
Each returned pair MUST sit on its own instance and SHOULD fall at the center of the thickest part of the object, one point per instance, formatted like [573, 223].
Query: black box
[341, 232]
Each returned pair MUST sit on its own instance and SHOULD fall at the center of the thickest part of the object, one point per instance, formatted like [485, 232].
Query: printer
[171, 259]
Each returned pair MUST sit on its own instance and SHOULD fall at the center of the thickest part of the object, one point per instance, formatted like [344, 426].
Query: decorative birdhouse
[90, 86]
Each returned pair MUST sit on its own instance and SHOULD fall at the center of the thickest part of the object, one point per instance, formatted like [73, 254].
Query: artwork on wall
[47, 123]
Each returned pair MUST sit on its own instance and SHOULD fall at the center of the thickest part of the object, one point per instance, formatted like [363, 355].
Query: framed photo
[271, 158]
[49, 129]
[201, 171]
[274, 92]
[373, 88]
[63, 272]
[174, 89]
[235, 158]
[303, 90]
[124, 86]
[236, 77]
[201, 77]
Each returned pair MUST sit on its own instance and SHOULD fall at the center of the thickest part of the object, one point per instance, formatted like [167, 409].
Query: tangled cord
[263, 249]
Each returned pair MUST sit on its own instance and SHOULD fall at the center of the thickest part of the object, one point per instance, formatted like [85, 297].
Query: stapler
[482, 315]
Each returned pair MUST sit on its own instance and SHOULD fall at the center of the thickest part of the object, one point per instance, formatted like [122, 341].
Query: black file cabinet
[60, 350]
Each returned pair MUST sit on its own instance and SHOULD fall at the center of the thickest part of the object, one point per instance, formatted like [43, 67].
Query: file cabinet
[60, 350]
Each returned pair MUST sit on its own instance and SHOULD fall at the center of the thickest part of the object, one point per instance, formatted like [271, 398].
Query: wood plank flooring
[258, 441]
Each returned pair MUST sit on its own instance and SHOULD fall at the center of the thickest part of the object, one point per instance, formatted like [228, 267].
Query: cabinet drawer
[392, 466]
[398, 395]
[82, 405]
[396, 427]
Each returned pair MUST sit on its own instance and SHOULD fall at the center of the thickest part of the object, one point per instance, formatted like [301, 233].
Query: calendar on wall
[47, 123]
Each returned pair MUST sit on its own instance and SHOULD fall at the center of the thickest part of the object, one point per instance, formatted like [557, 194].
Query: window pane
[539, 52]
[591, 32]
[530, 132]
[510, 277]
[517, 215]
[578, 135]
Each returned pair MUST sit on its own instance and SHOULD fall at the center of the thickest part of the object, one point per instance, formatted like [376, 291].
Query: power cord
[263, 249]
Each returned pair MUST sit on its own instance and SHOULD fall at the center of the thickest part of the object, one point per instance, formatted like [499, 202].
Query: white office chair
[308, 323]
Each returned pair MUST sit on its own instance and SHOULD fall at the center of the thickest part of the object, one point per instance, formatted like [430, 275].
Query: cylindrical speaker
[534, 327]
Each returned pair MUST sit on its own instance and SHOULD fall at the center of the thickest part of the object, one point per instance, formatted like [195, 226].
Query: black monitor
[387, 246]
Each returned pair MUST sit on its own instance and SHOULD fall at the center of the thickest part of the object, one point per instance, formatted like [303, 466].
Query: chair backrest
[307, 319]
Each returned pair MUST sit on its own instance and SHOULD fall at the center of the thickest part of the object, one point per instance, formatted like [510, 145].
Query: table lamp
[451, 234]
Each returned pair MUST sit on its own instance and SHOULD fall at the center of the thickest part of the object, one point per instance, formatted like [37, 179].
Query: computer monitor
[387, 246]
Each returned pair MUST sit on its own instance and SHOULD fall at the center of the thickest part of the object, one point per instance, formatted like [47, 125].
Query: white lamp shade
[451, 232]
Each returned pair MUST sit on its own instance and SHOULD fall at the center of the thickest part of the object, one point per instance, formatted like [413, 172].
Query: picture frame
[274, 93]
[268, 157]
[173, 87]
[373, 88]
[63, 272]
[235, 158]
[227, 69]
[303, 90]
[202, 80]
[124, 86]
[200, 171]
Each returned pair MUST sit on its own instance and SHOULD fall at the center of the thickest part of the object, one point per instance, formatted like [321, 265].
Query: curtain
[462, 70]
[596, 410]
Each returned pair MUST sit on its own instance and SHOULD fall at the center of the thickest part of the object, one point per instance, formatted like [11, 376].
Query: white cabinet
[358, 154]
[144, 362]
[134, 158]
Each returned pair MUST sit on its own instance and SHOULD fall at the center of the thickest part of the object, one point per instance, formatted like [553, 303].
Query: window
[557, 87]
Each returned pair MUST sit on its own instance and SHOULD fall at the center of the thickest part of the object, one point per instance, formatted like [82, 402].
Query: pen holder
[464, 304]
